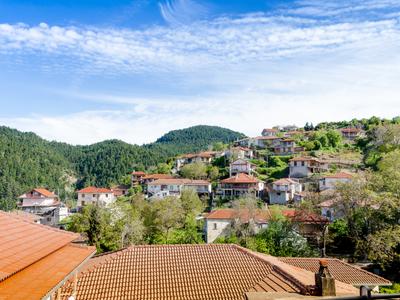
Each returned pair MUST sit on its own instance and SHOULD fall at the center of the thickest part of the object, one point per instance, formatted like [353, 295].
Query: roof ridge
[305, 289]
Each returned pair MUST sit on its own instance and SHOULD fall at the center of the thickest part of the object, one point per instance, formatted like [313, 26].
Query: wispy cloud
[179, 12]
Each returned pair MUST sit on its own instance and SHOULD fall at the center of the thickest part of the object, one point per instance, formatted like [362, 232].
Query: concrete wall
[216, 228]
[101, 199]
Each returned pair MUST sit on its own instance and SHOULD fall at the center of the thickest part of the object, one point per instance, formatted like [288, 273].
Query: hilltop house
[47, 205]
[305, 166]
[218, 222]
[269, 132]
[329, 182]
[283, 191]
[286, 146]
[166, 187]
[241, 166]
[350, 133]
[36, 260]
[258, 142]
[120, 190]
[94, 195]
[239, 185]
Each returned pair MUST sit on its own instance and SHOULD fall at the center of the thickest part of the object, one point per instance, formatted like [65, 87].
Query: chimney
[324, 281]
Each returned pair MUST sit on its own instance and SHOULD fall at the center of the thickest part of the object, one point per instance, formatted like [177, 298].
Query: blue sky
[85, 71]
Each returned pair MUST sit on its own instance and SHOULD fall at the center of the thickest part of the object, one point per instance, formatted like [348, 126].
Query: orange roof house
[94, 190]
[239, 185]
[181, 272]
[35, 259]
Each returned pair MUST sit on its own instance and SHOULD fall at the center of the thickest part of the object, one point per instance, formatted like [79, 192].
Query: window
[295, 163]
[48, 219]
[106, 195]
[83, 203]
[302, 163]
[215, 226]
[94, 195]
[278, 193]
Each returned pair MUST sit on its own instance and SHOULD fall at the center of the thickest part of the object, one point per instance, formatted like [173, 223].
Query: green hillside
[27, 161]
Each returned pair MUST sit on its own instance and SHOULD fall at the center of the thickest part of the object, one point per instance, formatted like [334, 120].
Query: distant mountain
[27, 160]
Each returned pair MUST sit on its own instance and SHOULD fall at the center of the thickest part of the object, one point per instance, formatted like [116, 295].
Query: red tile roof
[26, 216]
[94, 190]
[339, 270]
[241, 178]
[260, 216]
[179, 181]
[30, 254]
[350, 130]
[138, 173]
[285, 181]
[157, 176]
[304, 217]
[44, 192]
[339, 175]
[199, 272]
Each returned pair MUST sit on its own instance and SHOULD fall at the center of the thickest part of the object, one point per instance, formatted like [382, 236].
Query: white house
[239, 185]
[241, 166]
[306, 166]
[218, 222]
[239, 152]
[205, 157]
[269, 132]
[329, 182]
[175, 186]
[284, 190]
[259, 141]
[45, 204]
[94, 195]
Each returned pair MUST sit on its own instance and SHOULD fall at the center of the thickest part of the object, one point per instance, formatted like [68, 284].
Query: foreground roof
[94, 190]
[241, 178]
[35, 258]
[259, 215]
[339, 270]
[199, 272]
[26, 216]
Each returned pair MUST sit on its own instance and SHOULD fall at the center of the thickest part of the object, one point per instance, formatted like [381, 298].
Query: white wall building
[306, 166]
[94, 195]
[218, 222]
[329, 182]
[241, 166]
[176, 185]
[284, 190]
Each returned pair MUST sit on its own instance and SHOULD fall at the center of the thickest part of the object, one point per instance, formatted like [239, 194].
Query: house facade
[300, 167]
[329, 182]
[286, 146]
[218, 222]
[239, 152]
[350, 133]
[94, 195]
[241, 166]
[269, 132]
[205, 157]
[136, 177]
[283, 191]
[175, 186]
[46, 204]
[239, 185]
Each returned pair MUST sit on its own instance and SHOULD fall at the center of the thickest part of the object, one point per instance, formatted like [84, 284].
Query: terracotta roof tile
[339, 175]
[138, 173]
[285, 181]
[188, 272]
[340, 270]
[23, 243]
[23, 215]
[304, 217]
[241, 178]
[44, 192]
[179, 181]
[261, 216]
[157, 176]
[94, 190]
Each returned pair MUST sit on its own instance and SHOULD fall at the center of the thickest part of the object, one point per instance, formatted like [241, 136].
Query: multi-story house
[218, 222]
[174, 187]
[241, 166]
[283, 191]
[258, 142]
[239, 185]
[205, 157]
[239, 152]
[94, 195]
[136, 177]
[305, 166]
[47, 205]
[269, 132]
[329, 182]
[286, 146]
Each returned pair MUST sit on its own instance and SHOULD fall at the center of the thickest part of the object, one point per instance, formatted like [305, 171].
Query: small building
[283, 191]
[329, 182]
[204, 157]
[153, 177]
[175, 186]
[120, 190]
[241, 166]
[46, 204]
[330, 210]
[239, 152]
[286, 146]
[261, 142]
[308, 224]
[350, 133]
[136, 177]
[95, 195]
[218, 222]
[305, 166]
[239, 185]
[269, 132]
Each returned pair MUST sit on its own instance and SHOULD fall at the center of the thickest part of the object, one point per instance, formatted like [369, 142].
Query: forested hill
[26, 160]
